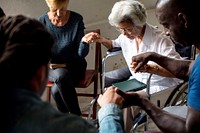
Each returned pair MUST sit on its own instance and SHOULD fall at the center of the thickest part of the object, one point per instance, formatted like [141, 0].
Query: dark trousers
[63, 90]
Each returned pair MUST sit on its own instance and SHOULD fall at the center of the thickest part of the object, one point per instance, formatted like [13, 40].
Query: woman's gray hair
[128, 10]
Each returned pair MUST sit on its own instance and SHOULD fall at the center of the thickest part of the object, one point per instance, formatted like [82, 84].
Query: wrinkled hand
[91, 37]
[139, 61]
[110, 96]
[142, 68]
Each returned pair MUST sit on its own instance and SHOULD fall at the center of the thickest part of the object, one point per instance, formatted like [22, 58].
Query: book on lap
[130, 85]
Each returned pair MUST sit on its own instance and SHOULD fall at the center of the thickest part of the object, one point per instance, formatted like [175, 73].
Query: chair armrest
[114, 51]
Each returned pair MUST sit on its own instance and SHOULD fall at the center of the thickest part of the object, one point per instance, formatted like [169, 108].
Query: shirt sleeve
[83, 48]
[194, 86]
[117, 42]
[168, 49]
[110, 119]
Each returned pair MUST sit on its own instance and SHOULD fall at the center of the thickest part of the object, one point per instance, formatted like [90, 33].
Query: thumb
[120, 92]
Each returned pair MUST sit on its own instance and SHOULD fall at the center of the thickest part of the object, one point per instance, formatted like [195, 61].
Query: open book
[130, 85]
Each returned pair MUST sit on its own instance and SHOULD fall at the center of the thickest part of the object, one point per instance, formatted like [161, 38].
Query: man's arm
[179, 68]
[165, 121]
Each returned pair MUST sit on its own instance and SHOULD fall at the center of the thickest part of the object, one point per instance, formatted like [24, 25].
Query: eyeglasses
[127, 30]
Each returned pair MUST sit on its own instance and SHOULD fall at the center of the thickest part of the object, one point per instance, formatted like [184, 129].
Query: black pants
[63, 90]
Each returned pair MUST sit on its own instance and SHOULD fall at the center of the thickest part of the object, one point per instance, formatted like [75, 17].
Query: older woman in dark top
[68, 64]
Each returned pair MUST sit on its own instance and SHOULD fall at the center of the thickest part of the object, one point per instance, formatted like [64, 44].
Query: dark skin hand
[153, 69]
[172, 123]
[179, 69]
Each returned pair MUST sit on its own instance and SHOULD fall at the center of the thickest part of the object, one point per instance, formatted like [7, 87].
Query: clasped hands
[113, 95]
[91, 37]
[139, 63]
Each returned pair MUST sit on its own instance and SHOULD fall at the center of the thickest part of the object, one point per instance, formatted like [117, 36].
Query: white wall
[94, 12]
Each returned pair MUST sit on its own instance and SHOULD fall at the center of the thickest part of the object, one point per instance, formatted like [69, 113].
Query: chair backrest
[91, 76]
[96, 62]
[98, 54]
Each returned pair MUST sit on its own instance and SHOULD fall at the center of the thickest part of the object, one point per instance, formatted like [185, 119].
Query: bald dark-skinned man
[181, 23]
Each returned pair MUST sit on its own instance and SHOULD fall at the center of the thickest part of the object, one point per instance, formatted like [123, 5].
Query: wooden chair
[91, 77]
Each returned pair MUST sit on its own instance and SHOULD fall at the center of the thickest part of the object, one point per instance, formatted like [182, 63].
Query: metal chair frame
[115, 52]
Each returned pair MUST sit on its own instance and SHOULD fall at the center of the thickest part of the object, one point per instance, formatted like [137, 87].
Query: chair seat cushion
[49, 84]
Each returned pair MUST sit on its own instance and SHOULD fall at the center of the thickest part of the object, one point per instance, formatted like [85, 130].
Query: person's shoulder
[43, 17]
[76, 14]
[70, 122]
[43, 115]
[154, 29]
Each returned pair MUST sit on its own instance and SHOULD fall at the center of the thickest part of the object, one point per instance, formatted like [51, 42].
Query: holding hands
[110, 96]
[139, 62]
[91, 37]
[116, 96]
[95, 37]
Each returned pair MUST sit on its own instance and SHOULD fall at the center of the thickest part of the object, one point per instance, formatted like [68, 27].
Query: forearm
[83, 50]
[158, 70]
[107, 43]
[179, 68]
[166, 122]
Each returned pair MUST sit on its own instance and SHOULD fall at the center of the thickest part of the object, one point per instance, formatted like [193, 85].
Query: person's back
[31, 115]
[2, 14]
[24, 56]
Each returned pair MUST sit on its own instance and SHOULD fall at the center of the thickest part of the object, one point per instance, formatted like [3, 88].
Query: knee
[54, 90]
[62, 75]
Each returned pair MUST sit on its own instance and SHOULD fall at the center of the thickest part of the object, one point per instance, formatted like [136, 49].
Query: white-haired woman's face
[128, 29]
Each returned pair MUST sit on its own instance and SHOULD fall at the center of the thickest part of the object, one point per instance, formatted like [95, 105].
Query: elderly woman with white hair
[137, 36]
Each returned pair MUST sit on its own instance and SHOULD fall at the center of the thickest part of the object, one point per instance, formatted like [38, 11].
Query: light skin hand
[116, 96]
[91, 37]
[139, 64]
[95, 37]
[110, 96]
[142, 68]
